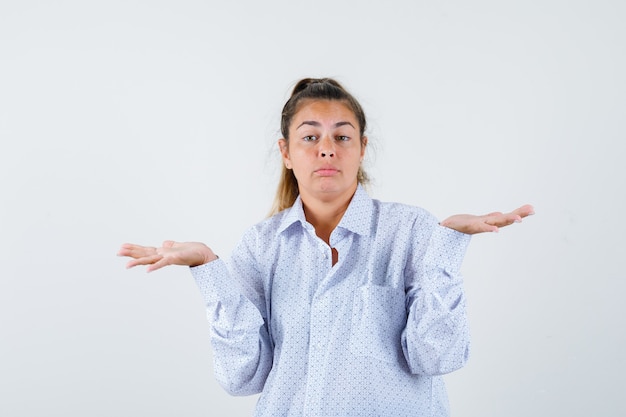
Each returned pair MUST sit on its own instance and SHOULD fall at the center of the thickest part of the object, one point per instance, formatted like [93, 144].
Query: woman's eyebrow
[339, 124]
[317, 124]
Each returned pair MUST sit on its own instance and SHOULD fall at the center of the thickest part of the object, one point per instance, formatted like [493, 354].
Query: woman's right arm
[235, 305]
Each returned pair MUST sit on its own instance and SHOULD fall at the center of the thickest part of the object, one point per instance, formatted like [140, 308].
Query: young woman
[338, 304]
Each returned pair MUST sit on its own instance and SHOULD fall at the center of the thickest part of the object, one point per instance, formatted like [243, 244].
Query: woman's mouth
[326, 172]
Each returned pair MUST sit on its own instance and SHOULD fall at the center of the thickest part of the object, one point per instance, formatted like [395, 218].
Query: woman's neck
[325, 214]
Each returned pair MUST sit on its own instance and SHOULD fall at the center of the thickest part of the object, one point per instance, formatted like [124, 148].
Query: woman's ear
[284, 152]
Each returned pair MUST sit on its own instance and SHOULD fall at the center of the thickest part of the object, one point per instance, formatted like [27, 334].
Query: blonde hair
[311, 89]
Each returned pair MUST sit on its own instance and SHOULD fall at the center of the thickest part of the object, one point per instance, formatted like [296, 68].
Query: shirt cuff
[213, 280]
[446, 248]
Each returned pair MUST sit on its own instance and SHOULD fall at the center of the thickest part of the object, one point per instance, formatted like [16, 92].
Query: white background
[148, 120]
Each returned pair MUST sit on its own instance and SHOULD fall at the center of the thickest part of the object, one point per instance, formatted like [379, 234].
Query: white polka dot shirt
[368, 336]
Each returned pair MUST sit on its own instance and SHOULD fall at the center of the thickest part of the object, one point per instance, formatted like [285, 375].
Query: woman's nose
[327, 148]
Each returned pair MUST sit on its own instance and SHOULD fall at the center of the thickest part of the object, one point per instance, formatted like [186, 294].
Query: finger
[525, 210]
[141, 251]
[501, 220]
[507, 220]
[483, 224]
[146, 260]
[488, 228]
[126, 249]
[159, 264]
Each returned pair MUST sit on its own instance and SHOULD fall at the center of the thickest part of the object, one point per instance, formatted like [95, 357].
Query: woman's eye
[310, 138]
[343, 138]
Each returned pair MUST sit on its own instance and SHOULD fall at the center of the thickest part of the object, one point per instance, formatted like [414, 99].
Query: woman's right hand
[171, 253]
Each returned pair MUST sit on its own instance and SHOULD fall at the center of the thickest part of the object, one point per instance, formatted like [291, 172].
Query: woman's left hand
[492, 222]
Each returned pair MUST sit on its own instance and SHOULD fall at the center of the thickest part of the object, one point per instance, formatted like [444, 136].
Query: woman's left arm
[436, 339]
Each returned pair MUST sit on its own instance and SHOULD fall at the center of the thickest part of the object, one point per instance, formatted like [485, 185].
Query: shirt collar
[356, 219]
[293, 214]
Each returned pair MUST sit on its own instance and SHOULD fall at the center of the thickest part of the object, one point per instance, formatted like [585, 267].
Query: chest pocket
[378, 318]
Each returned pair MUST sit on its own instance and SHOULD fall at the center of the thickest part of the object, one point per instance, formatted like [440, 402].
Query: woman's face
[325, 149]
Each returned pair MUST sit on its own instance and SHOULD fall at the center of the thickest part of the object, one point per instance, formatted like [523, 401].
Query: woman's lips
[326, 172]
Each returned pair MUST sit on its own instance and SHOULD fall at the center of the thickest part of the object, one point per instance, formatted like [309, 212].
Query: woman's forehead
[332, 111]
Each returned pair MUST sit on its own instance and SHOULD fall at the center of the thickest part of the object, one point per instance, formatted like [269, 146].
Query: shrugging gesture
[337, 303]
